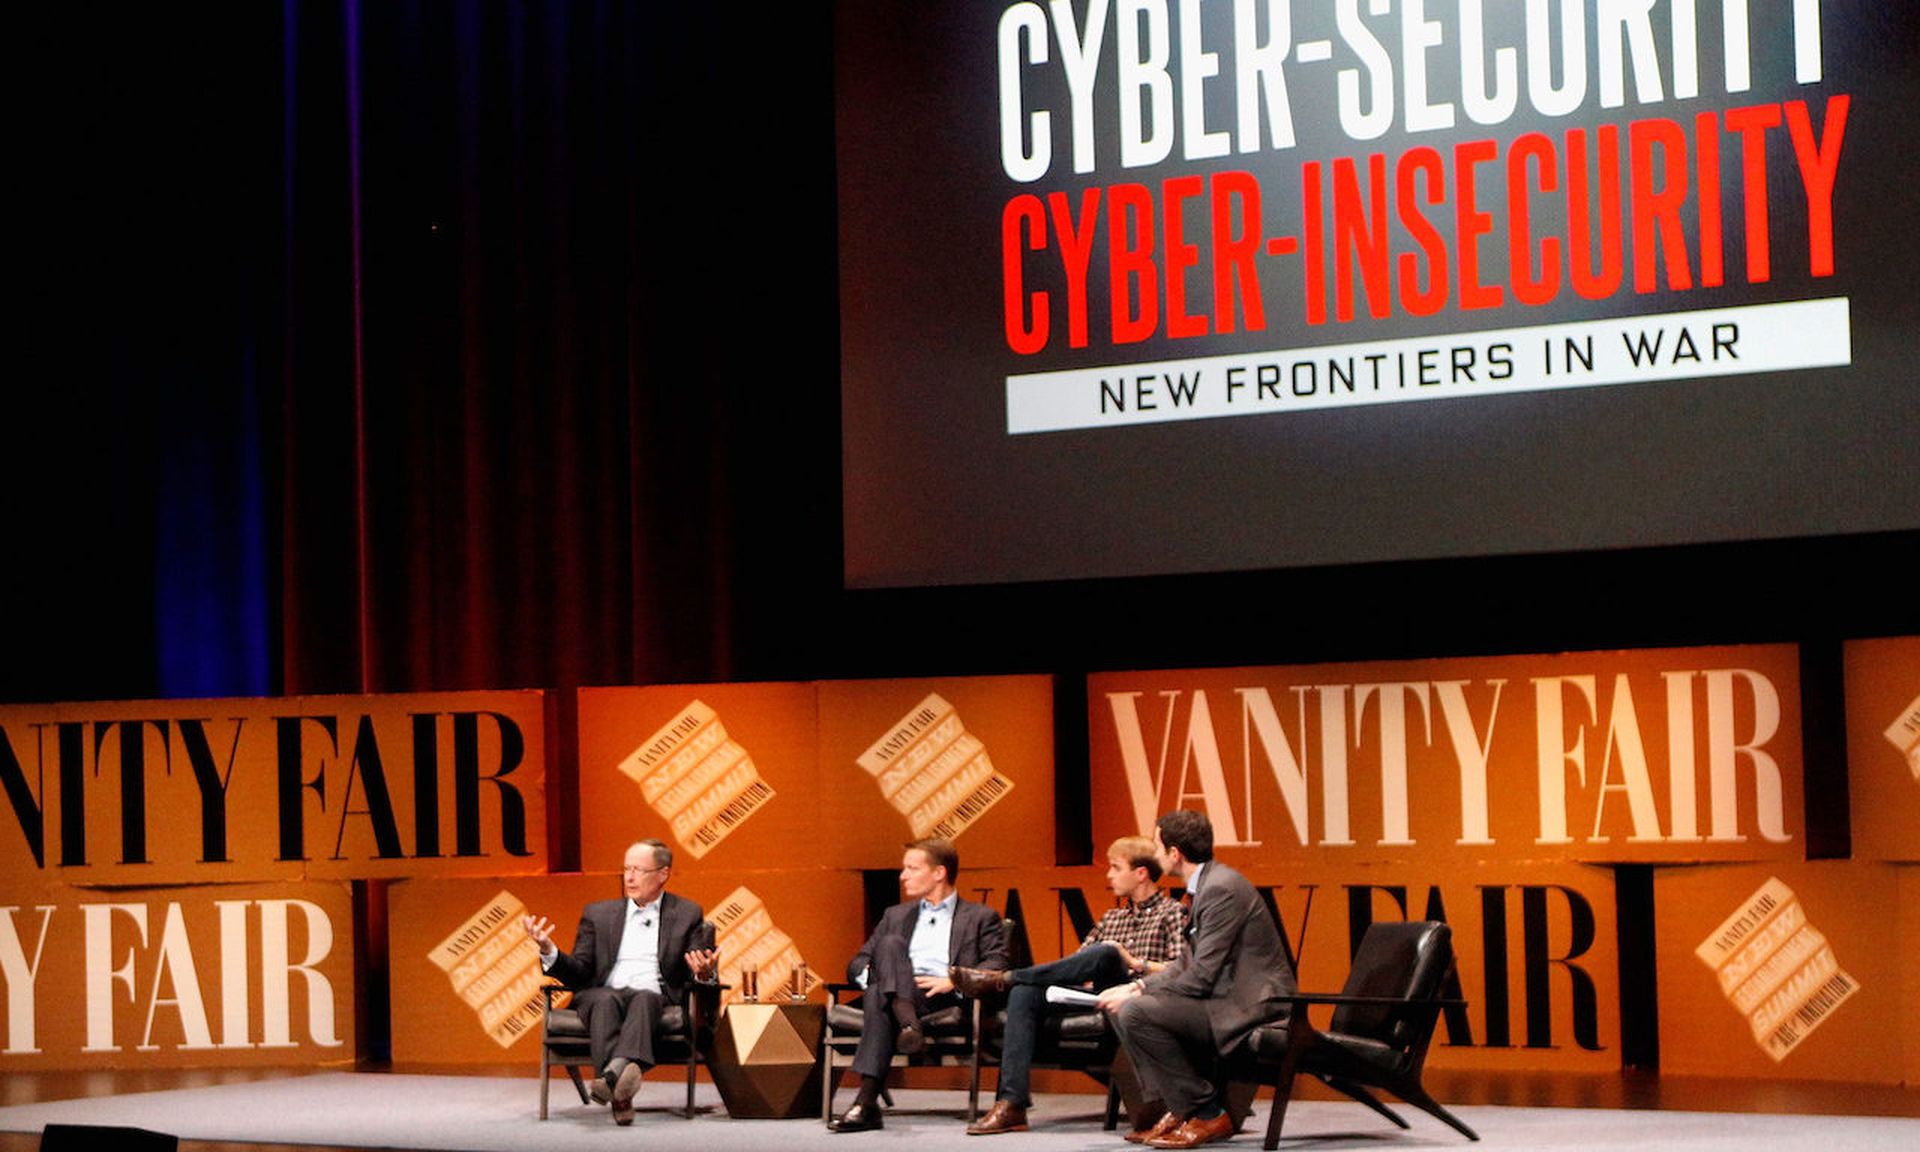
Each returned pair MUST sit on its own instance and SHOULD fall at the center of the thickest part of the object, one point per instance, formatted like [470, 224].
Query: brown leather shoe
[1002, 1117]
[624, 1090]
[1165, 1125]
[1196, 1132]
[977, 982]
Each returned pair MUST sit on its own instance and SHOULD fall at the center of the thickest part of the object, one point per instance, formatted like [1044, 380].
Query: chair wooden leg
[1282, 1093]
[546, 1076]
[827, 1077]
[1277, 1115]
[973, 1087]
[1360, 1093]
[1417, 1096]
[693, 1060]
[579, 1085]
[1112, 1118]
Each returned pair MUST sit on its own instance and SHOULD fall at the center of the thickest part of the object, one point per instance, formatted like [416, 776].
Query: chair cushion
[565, 1023]
[954, 1020]
[1359, 1057]
[1079, 1027]
[1269, 1042]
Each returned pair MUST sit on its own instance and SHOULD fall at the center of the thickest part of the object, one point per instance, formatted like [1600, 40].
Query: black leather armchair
[1071, 1041]
[1382, 1024]
[683, 1034]
[952, 1038]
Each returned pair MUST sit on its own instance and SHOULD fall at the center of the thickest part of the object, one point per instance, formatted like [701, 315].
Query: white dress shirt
[931, 948]
[638, 964]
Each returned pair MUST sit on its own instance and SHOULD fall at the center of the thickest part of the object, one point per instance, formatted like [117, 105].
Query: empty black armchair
[1383, 1022]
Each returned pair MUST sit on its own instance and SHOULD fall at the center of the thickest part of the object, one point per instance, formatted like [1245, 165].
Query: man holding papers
[1139, 936]
[1180, 1023]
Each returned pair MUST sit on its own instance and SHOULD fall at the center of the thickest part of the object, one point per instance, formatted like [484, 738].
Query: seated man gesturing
[631, 958]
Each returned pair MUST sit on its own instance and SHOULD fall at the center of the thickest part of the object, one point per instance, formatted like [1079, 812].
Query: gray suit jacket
[1234, 960]
[683, 929]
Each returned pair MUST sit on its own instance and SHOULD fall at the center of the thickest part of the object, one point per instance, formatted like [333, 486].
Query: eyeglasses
[631, 870]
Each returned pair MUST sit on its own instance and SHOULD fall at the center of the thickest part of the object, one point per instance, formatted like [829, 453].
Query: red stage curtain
[549, 353]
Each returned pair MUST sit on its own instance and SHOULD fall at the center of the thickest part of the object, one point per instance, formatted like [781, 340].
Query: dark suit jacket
[683, 929]
[1234, 959]
[979, 939]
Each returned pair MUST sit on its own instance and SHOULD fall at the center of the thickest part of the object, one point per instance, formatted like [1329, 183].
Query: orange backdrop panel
[1782, 970]
[196, 791]
[1535, 944]
[1649, 756]
[1883, 747]
[463, 971]
[227, 975]
[970, 758]
[726, 773]
[1910, 972]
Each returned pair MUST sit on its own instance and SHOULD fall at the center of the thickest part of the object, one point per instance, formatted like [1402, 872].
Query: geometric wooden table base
[766, 1059]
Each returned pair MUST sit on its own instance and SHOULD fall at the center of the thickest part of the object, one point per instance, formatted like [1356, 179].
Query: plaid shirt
[1152, 931]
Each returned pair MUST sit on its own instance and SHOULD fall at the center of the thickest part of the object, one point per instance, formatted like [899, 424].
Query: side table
[766, 1059]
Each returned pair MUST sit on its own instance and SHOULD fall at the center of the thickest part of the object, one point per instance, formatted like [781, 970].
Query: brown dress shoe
[1002, 1117]
[977, 982]
[1196, 1132]
[624, 1090]
[1165, 1125]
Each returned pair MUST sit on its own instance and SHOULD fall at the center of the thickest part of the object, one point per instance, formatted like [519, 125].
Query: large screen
[1174, 286]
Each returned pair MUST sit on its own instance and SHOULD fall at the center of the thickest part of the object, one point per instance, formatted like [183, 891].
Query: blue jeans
[1099, 964]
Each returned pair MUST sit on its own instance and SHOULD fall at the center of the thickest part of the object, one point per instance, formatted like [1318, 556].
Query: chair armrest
[1302, 1032]
[1378, 1001]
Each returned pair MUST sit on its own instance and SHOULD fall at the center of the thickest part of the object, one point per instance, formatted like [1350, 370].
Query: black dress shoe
[859, 1118]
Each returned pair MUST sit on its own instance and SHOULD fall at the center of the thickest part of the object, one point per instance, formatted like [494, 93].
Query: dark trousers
[1099, 965]
[619, 1022]
[1170, 1042]
[889, 978]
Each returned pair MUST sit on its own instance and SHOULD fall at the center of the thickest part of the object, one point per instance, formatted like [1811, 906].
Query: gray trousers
[1171, 1045]
[889, 977]
[620, 1022]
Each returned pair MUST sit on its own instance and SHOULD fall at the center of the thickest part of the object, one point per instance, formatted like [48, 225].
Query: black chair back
[1405, 960]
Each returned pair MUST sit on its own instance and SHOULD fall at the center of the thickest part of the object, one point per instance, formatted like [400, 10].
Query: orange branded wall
[177, 873]
[1530, 801]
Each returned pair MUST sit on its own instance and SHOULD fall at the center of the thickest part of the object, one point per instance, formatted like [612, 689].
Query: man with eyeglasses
[631, 959]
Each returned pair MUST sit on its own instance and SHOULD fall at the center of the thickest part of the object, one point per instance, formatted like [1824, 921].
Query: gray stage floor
[469, 1113]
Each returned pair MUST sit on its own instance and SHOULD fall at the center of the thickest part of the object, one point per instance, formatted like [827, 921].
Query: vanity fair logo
[176, 975]
[189, 791]
[1607, 760]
